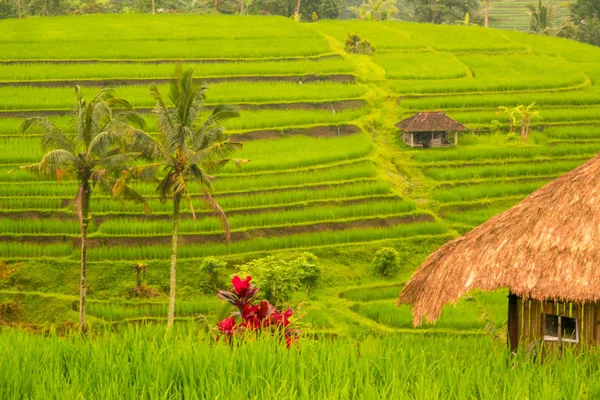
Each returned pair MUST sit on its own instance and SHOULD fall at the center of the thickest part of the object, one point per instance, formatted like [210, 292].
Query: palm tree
[527, 114]
[95, 155]
[510, 112]
[375, 9]
[186, 151]
[541, 18]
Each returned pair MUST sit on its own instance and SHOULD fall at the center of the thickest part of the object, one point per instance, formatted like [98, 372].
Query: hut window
[568, 327]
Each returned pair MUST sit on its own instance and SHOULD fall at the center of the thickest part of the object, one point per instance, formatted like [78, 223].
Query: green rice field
[326, 173]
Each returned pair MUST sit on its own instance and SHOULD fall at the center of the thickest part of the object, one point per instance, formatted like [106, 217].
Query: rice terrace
[214, 205]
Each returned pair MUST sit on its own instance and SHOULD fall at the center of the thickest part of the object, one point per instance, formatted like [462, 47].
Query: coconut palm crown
[186, 150]
[95, 156]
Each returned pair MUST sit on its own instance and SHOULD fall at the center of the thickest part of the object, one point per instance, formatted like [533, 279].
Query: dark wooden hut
[429, 129]
[545, 250]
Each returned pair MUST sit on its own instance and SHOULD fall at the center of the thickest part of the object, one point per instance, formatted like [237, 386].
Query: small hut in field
[545, 251]
[429, 129]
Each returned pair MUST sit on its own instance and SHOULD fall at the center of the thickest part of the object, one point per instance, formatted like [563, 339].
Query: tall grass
[486, 190]
[312, 239]
[264, 155]
[49, 71]
[118, 226]
[573, 132]
[38, 226]
[464, 316]
[377, 34]
[144, 363]
[457, 38]
[557, 115]
[10, 249]
[123, 311]
[275, 154]
[41, 98]
[281, 118]
[499, 170]
[506, 153]
[473, 217]
[426, 65]
[519, 72]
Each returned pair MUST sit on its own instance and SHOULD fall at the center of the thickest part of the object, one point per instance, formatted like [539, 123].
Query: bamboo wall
[531, 323]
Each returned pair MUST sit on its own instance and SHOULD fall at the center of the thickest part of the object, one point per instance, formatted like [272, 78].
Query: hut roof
[545, 247]
[430, 121]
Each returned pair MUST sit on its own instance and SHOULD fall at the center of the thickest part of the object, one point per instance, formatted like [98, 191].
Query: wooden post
[513, 332]
[412, 140]
[455, 138]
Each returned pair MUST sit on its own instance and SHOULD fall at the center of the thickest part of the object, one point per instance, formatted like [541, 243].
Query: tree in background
[375, 9]
[440, 11]
[584, 22]
[185, 152]
[95, 156]
[329, 9]
[527, 114]
[541, 17]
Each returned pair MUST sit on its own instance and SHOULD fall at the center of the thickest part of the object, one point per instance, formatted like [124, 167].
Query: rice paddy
[326, 173]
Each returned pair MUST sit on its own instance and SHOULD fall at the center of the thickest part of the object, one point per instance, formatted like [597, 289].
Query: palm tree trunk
[153, 8]
[173, 282]
[487, 11]
[297, 11]
[242, 4]
[19, 8]
[86, 191]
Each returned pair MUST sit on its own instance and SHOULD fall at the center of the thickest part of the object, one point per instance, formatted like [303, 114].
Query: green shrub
[386, 261]
[212, 267]
[354, 44]
[278, 278]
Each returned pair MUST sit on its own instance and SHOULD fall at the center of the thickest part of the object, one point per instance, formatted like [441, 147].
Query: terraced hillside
[327, 171]
[513, 14]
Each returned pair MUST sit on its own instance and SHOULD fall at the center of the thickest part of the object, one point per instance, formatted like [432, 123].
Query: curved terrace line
[92, 82]
[169, 61]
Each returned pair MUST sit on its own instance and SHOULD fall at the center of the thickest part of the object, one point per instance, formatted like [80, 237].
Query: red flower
[240, 286]
[227, 326]
[282, 319]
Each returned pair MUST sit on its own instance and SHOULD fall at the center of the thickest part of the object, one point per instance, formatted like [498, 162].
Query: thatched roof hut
[429, 129]
[546, 248]
[430, 121]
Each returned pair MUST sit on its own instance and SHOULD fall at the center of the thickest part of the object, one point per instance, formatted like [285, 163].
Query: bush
[386, 261]
[279, 278]
[212, 267]
[355, 45]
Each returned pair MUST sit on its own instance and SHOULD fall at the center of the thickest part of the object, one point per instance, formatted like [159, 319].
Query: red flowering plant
[253, 315]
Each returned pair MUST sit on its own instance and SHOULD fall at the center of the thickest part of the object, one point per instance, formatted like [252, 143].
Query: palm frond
[216, 208]
[144, 173]
[164, 124]
[117, 103]
[104, 141]
[164, 187]
[141, 142]
[201, 177]
[57, 160]
[118, 160]
[54, 137]
[121, 190]
[216, 151]
[212, 130]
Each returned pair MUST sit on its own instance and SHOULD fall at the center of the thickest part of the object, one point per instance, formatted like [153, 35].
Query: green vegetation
[193, 366]
[316, 174]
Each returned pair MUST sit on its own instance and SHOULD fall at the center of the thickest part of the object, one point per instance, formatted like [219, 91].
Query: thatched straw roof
[545, 247]
[430, 121]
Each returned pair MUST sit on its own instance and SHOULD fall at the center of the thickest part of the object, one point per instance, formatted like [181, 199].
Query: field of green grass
[327, 174]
